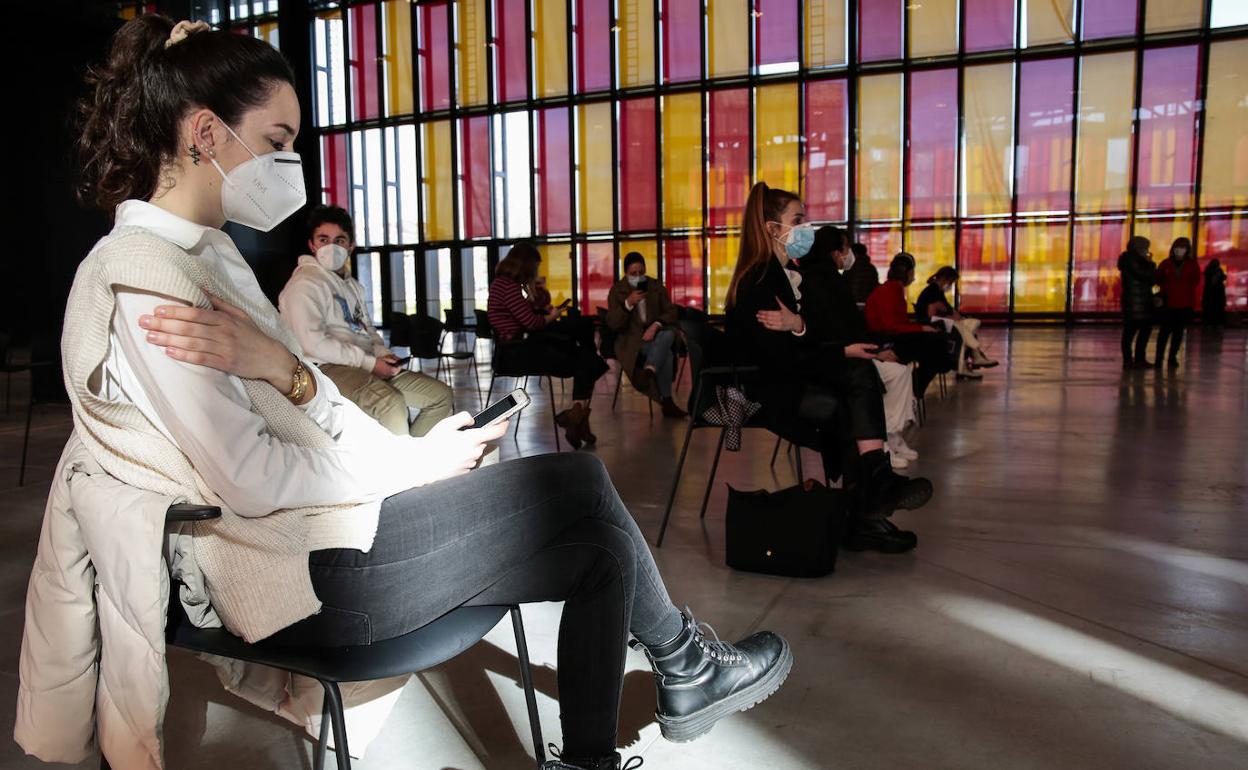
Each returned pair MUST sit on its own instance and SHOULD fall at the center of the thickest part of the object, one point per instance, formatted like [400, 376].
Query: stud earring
[194, 155]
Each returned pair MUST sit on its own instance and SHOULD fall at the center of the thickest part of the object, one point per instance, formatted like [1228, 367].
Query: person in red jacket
[1178, 276]
[889, 324]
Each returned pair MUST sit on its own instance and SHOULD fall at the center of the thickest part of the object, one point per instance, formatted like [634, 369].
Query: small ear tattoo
[194, 155]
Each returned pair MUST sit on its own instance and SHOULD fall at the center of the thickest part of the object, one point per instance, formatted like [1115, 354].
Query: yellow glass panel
[550, 46]
[400, 93]
[439, 191]
[635, 43]
[987, 141]
[932, 248]
[879, 147]
[933, 26]
[1169, 15]
[593, 122]
[776, 136]
[722, 257]
[557, 267]
[1162, 232]
[648, 248]
[1051, 21]
[682, 160]
[728, 37]
[825, 33]
[472, 86]
[1103, 155]
[1224, 178]
[1043, 251]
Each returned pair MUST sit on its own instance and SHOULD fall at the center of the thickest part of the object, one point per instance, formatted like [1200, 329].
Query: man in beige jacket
[325, 306]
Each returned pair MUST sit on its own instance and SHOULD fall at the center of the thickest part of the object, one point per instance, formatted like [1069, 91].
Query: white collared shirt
[206, 413]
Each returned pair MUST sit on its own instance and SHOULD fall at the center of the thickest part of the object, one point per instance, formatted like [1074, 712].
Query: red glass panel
[989, 24]
[554, 172]
[1045, 120]
[882, 245]
[362, 61]
[512, 78]
[879, 29]
[1226, 239]
[335, 184]
[775, 29]
[1097, 286]
[933, 154]
[826, 151]
[682, 40]
[682, 270]
[984, 267]
[1168, 107]
[729, 180]
[593, 49]
[433, 53]
[638, 196]
[595, 273]
[475, 162]
[1109, 18]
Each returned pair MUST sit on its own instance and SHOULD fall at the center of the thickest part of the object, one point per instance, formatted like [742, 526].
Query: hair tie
[184, 29]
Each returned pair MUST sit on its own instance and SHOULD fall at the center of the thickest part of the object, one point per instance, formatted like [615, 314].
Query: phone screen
[643, 284]
[493, 411]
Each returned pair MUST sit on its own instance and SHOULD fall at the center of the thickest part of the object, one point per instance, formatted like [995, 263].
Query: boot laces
[718, 650]
[560, 764]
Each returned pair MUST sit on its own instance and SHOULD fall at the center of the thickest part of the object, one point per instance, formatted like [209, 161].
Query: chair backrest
[5, 339]
[455, 322]
[484, 330]
[425, 340]
[400, 330]
[47, 383]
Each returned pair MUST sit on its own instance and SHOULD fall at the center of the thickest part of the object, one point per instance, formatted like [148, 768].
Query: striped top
[510, 312]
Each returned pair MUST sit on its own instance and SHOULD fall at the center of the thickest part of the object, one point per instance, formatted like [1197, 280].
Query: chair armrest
[191, 512]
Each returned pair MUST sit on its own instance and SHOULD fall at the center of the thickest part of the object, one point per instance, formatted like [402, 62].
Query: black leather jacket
[1138, 274]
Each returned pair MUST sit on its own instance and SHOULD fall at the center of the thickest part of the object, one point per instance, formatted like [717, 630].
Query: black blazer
[831, 313]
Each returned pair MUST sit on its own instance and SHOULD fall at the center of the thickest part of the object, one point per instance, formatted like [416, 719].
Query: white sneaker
[897, 461]
[898, 446]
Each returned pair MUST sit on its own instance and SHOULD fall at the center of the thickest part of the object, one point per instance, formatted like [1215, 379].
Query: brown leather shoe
[570, 421]
[671, 410]
[643, 380]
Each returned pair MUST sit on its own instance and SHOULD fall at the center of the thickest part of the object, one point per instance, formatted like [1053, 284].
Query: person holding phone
[803, 379]
[641, 312]
[544, 343]
[324, 305]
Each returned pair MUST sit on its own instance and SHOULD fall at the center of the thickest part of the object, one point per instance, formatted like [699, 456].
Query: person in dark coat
[1213, 300]
[1178, 276]
[1138, 274]
[862, 276]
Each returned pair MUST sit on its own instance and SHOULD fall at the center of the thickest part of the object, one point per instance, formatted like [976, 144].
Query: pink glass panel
[593, 49]
[512, 77]
[989, 25]
[682, 40]
[475, 162]
[1168, 108]
[1226, 239]
[682, 270]
[933, 143]
[595, 272]
[826, 151]
[638, 196]
[775, 30]
[729, 179]
[879, 29]
[434, 53]
[553, 171]
[1109, 18]
[984, 267]
[1097, 286]
[1045, 120]
[335, 184]
[362, 61]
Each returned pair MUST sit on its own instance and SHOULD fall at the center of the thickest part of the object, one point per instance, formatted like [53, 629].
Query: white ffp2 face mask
[332, 257]
[849, 261]
[263, 191]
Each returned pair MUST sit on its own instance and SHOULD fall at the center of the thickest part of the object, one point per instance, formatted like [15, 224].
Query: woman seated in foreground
[184, 381]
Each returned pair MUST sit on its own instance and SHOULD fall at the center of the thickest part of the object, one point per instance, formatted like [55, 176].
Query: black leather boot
[701, 681]
[886, 491]
[878, 535]
[611, 762]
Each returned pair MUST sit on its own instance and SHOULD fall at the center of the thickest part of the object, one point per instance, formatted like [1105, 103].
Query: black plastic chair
[47, 386]
[426, 336]
[486, 332]
[415, 651]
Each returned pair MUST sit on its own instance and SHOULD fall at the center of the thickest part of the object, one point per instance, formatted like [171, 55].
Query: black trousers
[855, 387]
[1174, 320]
[930, 351]
[563, 349]
[1138, 330]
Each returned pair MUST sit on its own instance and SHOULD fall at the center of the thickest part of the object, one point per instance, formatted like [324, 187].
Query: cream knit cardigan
[255, 568]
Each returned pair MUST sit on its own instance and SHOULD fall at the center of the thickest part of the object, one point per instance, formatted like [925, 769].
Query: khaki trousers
[387, 401]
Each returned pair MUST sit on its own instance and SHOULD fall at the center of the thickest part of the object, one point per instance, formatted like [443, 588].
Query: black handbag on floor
[794, 532]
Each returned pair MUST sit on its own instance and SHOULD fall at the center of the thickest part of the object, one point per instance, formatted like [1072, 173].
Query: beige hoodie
[329, 316]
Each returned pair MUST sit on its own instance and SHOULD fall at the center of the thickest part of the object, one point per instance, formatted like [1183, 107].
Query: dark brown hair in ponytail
[764, 205]
[128, 119]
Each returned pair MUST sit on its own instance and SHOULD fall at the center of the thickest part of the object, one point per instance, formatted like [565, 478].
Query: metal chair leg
[526, 678]
[554, 417]
[322, 743]
[339, 720]
[21, 474]
[619, 381]
[680, 466]
[515, 435]
[797, 461]
[719, 450]
[775, 452]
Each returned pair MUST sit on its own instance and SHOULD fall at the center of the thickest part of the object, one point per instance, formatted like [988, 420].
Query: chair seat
[459, 355]
[417, 650]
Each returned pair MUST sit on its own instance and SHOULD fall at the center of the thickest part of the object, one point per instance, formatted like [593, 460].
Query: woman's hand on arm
[782, 320]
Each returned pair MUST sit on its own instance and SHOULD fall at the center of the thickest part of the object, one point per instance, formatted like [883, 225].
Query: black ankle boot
[701, 681]
[611, 762]
[886, 491]
[878, 535]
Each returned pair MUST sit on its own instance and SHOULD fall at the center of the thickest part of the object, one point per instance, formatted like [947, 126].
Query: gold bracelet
[299, 382]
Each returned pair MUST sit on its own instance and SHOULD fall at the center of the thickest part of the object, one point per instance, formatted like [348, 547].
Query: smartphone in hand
[500, 410]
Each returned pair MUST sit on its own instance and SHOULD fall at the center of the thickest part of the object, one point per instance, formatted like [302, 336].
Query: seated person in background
[325, 307]
[804, 381]
[640, 311]
[834, 319]
[862, 276]
[934, 304]
[534, 342]
[888, 323]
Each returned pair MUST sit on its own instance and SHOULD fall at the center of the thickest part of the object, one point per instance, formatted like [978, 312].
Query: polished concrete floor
[1078, 599]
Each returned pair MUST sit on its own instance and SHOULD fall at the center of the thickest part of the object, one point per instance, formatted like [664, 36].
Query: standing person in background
[862, 276]
[641, 312]
[325, 307]
[1138, 273]
[888, 322]
[1178, 276]
[933, 303]
[1213, 303]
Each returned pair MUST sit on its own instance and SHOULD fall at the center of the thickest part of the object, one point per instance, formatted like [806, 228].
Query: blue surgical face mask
[798, 240]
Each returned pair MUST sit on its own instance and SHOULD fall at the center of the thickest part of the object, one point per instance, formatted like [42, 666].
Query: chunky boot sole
[881, 543]
[699, 723]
